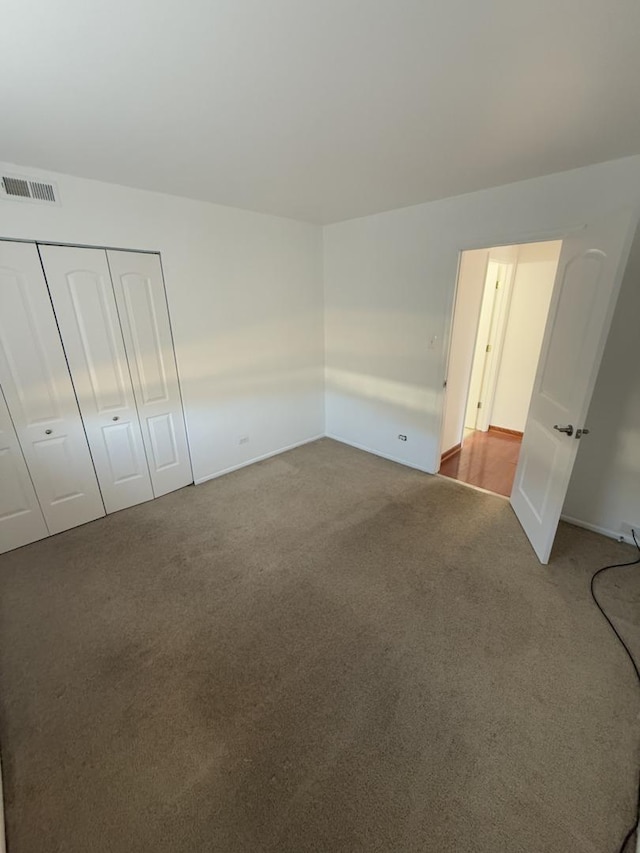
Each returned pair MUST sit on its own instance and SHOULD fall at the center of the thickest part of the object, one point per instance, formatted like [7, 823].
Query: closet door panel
[21, 519]
[142, 306]
[83, 300]
[40, 396]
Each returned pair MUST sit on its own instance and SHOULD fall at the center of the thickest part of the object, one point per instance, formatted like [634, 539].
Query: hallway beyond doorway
[486, 459]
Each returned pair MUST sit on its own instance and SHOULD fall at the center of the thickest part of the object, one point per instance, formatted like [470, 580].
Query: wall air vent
[15, 188]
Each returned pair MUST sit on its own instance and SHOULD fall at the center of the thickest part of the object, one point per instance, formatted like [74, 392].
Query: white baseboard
[255, 459]
[595, 528]
[378, 453]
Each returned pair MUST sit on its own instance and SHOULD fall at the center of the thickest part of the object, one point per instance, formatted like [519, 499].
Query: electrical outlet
[402, 437]
[625, 532]
[244, 439]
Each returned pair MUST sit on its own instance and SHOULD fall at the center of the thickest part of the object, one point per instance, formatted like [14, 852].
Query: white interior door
[139, 290]
[85, 307]
[38, 390]
[489, 295]
[21, 519]
[587, 282]
[493, 348]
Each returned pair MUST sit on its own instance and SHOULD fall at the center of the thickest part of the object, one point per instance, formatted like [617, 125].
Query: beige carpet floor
[322, 652]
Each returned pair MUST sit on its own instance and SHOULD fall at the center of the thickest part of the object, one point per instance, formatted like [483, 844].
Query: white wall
[245, 298]
[605, 487]
[389, 285]
[525, 323]
[471, 280]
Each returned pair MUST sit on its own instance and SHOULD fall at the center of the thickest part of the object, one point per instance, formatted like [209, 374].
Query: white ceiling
[318, 109]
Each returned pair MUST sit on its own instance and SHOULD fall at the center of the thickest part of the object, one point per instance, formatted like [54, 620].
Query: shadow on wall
[254, 359]
[262, 380]
[605, 487]
[251, 356]
[412, 398]
[382, 380]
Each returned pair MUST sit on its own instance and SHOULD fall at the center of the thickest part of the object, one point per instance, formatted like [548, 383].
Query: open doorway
[501, 309]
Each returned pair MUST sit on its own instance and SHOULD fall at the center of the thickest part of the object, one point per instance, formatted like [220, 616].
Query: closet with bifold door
[91, 416]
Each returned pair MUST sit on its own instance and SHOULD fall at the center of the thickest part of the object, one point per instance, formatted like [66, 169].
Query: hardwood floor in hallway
[487, 459]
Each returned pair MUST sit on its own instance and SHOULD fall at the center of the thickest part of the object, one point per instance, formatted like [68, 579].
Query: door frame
[542, 236]
[496, 340]
[496, 337]
[476, 378]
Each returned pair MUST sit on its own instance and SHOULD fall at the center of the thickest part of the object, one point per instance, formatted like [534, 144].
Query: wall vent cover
[15, 188]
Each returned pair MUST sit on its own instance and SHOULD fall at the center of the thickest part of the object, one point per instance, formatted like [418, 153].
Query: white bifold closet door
[21, 519]
[82, 296]
[139, 290]
[118, 343]
[37, 388]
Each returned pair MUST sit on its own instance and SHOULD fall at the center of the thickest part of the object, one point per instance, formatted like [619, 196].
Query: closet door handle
[48, 431]
[115, 418]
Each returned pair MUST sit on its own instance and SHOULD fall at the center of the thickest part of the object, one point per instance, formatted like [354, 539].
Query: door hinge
[479, 405]
[444, 384]
[497, 284]
[488, 348]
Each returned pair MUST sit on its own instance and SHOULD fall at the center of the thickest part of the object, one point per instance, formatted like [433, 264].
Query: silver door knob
[568, 429]
[115, 418]
[48, 431]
